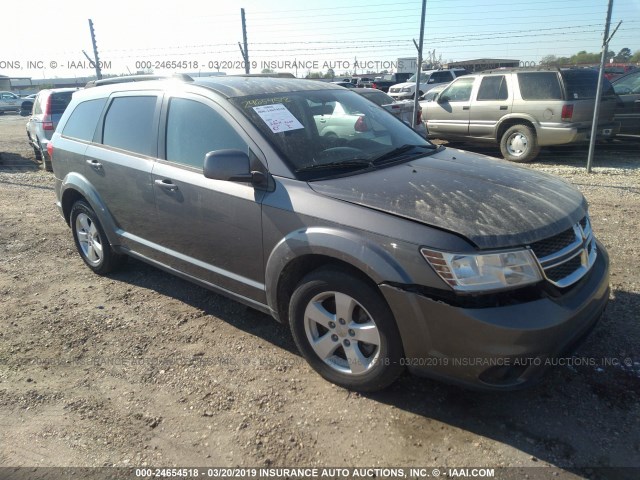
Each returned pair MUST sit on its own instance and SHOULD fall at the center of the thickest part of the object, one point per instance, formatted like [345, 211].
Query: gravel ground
[142, 369]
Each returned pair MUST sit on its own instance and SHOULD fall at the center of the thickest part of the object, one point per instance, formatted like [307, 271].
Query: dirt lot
[140, 368]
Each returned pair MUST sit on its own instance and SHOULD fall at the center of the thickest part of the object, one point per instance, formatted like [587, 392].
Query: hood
[405, 84]
[491, 202]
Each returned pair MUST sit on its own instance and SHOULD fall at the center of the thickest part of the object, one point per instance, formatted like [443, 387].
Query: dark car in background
[628, 108]
[48, 107]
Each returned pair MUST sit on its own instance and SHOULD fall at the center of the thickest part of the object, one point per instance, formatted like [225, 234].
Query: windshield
[324, 132]
[423, 78]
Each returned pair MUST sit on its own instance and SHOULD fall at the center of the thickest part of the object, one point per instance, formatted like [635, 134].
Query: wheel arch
[509, 122]
[307, 250]
[76, 187]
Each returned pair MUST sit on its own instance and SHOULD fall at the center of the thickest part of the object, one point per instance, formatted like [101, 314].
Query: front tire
[519, 144]
[345, 330]
[91, 241]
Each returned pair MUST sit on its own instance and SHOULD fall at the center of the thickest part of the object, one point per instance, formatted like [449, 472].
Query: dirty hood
[491, 202]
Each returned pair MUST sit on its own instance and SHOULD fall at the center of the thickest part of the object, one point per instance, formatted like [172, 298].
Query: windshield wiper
[399, 152]
[348, 165]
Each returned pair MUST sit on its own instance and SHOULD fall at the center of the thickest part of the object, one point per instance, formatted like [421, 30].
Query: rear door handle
[167, 185]
[465, 108]
[94, 163]
[503, 107]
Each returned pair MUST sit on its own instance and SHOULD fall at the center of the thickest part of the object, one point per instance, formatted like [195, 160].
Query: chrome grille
[565, 258]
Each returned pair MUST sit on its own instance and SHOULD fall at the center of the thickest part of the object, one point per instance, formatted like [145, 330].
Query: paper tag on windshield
[278, 118]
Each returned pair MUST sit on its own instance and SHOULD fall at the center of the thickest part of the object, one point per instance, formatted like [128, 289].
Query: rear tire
[345, 330]
[519, 144]
[91, 241]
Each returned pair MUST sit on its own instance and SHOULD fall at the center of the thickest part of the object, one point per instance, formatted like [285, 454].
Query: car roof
[227, 86]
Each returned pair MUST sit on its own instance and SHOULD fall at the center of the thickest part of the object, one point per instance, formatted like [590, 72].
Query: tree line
[584, 57]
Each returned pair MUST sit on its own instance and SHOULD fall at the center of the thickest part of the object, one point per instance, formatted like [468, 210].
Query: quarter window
[194, 129]
[129, 124]
[84, 119]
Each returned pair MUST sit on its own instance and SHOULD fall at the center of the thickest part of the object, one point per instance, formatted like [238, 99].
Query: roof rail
[137, 78]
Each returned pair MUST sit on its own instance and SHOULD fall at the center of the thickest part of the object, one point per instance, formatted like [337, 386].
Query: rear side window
[59, 102]
[129, 124]
[441, 77]
[493, 88]
[539, 86]
[84, 119]
[194, 129]
[583, 83]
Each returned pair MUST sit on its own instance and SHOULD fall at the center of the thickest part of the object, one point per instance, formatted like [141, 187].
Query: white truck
[428, 80]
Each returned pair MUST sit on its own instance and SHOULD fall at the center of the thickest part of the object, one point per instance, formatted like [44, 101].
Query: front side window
[129, 124]
[459, 91]
[194, 129]
[628, 85]
[84, 119]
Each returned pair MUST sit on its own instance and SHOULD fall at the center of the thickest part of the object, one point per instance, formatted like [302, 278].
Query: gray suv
[521, 110]
[380, 250]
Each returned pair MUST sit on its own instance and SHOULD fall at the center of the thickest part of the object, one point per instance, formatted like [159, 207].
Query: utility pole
[416, 103]
[244, 51]
[596, 110]
[95, 51]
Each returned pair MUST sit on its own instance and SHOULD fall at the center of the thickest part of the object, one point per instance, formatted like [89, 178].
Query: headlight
[484, 272]
[406, 89]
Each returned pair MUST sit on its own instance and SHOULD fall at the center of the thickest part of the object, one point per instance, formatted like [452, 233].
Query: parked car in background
[433, 93]
[344, 84]
[521, 110]
[402, 110]
[48, 107]
[27, 104]
[386, 81]
[627, 112]
[613, 70]
[380, 253]
[364, 82]
[9, 102]
[428, 80]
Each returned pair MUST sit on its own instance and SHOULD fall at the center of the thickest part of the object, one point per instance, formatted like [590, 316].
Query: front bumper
[497, 348]
[401, 95]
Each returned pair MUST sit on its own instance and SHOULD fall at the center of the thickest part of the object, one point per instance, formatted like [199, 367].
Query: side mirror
[231, 166]
[442, 98]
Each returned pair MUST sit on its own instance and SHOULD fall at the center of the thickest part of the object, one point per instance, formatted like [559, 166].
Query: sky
[199, 36]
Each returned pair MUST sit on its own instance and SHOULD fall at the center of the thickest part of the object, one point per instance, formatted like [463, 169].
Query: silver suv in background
[428, 80]
[48, 107]
[521, 110]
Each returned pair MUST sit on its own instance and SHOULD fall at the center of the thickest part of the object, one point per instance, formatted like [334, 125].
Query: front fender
[74, 184]
[346, 246]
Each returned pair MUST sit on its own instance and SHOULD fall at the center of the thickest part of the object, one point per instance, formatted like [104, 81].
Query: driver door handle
[167, 184]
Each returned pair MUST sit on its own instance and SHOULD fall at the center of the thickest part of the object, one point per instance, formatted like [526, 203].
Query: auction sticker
[278, 118]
